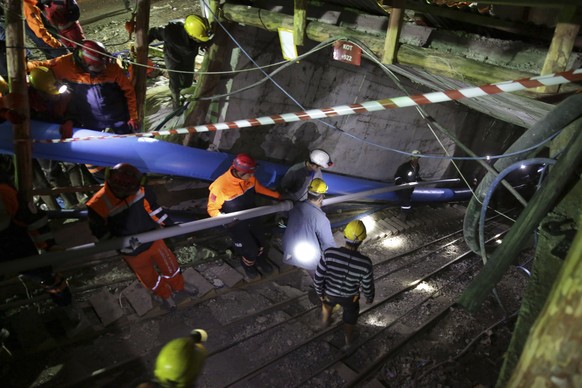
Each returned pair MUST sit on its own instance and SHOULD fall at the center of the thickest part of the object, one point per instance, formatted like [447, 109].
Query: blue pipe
[156, 156]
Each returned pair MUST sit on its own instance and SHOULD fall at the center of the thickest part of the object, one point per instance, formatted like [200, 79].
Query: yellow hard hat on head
[355, 232]
[181, 360]
[317, 186]
[42, 78]
[197, 27]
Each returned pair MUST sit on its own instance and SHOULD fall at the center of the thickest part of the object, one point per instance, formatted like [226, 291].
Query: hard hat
[180, 361]
[4, 87]
[42, 78]
[317, 186]
[244, 163]
[94, 55]
[355, 232]
[197, 27]
[124, 180]
[321, 158]
[416, 153]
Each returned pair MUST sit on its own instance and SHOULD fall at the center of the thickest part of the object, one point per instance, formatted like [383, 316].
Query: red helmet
[244, 163]
[94, 54]
[124, 180]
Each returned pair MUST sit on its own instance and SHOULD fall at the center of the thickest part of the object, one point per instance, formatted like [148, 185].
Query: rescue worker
[407, 172]
[64, 16]
[24, 232]
[125, 207]
[308, 231]
[295, 182]
[37, 31]
[340, 275]
[49, 101]
[102, 96]
[233, 191]
[183, 39]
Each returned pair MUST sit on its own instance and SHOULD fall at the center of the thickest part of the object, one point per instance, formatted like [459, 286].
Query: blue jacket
[307, 235]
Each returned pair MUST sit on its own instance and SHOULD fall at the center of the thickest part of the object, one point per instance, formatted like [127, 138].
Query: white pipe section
[79, 253]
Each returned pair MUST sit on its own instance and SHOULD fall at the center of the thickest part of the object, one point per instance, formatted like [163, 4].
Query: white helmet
[321, 158]
[415, 154]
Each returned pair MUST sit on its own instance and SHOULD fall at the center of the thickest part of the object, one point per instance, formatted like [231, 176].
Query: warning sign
[347, 52]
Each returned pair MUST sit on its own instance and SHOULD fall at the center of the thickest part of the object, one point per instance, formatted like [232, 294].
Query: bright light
[523, 166]
[498, 241]
[306, 253]
[369, 223]
[62, 89]
[488, 157]
[377, 321]
[424, 287]
[393, 242]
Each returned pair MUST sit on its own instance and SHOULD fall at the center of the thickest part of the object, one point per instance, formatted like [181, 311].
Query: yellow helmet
[181, 360]
[355, 232]
[4, 87]
[197, 27]
[317, 186]
[42, 78]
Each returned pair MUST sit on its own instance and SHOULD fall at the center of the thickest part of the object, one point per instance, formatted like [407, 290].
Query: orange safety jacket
[98, 99]
[33, 16]
[231, 194]
[138, 213]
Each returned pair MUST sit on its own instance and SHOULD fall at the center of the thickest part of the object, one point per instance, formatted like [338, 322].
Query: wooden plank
[561, 48]
[299, 21]
[393, 33]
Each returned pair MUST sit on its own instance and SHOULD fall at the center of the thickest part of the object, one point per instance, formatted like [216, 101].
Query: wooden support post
[299, 21]
[212, 13]
[560, 49]
[16, 61]
[141, 38]
[393, 33]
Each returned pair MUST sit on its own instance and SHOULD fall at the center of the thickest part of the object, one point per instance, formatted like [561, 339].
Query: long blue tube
[150, 155]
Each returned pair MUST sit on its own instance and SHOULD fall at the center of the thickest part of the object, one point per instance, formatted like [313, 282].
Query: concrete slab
[344, 371]
[28, 328]
[222, 271]
[192, 277]
[106, 307]
[276, 257]
[139, 298]
[388, 227]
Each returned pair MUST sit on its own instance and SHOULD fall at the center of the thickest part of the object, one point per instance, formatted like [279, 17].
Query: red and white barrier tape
[369, 106]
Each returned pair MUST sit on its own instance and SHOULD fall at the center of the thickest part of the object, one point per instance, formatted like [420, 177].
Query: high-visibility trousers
[158, 258]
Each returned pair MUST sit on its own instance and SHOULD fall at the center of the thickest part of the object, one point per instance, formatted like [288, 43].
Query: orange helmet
[124, 180]
[244, 163]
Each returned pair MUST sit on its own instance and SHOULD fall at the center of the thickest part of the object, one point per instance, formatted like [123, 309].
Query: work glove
[66, 129]
[133, 125]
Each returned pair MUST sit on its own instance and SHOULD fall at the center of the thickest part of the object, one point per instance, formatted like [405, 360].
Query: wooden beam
[561, 47]
[522, 3]
[16, 62]
[141, 38]
[393, 32]
[299, 21]
[432, 61]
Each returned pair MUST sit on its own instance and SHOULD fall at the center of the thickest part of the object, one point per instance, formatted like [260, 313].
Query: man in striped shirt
[340, 275]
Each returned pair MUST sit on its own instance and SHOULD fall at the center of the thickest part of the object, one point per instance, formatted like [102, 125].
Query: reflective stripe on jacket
[231, 194]
[135, 214]
[99, 101]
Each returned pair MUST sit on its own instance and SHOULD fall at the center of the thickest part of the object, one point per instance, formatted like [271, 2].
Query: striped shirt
[342, 271]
